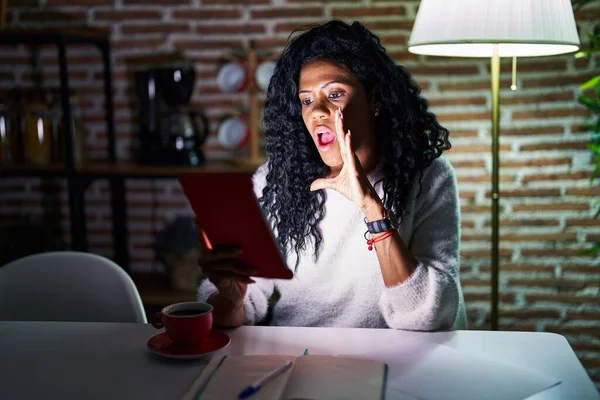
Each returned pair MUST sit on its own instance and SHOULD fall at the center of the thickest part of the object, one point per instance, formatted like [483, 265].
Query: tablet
[228, 213]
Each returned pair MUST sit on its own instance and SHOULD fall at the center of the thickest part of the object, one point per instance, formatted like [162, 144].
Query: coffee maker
[170, 131]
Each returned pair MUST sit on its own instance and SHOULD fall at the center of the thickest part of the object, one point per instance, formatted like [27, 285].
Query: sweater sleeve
[429, 299]
[256, 302]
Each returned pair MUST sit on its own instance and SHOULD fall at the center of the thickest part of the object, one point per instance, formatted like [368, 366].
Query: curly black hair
[409, 135]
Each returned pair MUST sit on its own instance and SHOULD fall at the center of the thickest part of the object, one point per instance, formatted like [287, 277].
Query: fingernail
[349, 132]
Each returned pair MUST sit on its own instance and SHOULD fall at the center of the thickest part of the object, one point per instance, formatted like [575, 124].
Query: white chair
[68, 286]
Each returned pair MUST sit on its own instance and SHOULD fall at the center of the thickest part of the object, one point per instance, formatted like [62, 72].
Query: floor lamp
[494, 29]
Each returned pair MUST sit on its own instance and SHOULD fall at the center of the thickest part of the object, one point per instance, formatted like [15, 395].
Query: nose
[320, 110]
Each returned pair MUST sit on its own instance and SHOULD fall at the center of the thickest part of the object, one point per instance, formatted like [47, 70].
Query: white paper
[432, 371]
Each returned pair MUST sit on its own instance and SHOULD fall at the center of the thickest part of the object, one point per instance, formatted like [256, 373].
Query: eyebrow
[342, 81]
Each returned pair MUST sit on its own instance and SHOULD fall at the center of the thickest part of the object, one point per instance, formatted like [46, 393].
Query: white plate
[232, 133]
[231, 77]
[263, 74]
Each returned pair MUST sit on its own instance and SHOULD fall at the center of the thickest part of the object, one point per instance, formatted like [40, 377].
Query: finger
[322, 183]
[228, 267]
[351, 159]
[339, 132]
[222, 253]
[220, 278]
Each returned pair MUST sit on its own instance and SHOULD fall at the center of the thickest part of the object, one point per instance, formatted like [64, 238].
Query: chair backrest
[68, 286]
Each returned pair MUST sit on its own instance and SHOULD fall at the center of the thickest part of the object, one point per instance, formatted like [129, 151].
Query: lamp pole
[495, 83]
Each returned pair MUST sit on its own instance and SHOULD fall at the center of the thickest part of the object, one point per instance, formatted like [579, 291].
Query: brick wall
[547, 200]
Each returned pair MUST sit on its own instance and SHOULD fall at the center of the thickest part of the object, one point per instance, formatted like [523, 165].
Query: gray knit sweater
[344, 287]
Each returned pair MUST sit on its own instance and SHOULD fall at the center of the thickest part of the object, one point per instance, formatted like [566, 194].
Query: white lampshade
[471, 28]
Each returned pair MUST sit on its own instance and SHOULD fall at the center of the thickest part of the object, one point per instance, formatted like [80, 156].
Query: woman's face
[324, 87]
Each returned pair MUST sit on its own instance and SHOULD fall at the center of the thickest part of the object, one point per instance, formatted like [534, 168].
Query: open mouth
[324, 136]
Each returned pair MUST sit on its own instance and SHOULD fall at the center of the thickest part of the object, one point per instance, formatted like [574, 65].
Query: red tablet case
[229, 214]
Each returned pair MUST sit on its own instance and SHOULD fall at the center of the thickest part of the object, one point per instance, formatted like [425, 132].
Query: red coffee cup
[186, 324]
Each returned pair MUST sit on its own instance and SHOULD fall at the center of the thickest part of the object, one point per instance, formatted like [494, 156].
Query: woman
[349, 141]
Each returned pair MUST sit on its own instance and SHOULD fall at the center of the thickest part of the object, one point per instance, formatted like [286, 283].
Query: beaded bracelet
[371, 241]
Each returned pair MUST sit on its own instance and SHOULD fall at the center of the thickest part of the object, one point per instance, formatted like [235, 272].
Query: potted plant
[179, 248]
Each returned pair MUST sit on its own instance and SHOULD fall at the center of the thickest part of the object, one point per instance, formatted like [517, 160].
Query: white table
[56, 360]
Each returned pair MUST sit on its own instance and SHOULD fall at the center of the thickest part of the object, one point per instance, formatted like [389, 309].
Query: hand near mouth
[352, 181]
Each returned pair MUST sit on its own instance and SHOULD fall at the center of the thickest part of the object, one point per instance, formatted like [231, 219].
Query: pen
[256, 386]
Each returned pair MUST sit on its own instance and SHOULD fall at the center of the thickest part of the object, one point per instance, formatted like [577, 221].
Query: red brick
[565, 176]
[137, 43]
[573, 330]
[289, 27]
[534, 65]
[538, 269]
[525, 222]
[591, 191]
[53, 16]
[230, 29]
[54, 3]
[393, 40]
[486, 297]
[529, 193]
[511, 326]
[544, 114]
[589, 315]
[457, 101]
[483, 253]
[534, 237]
[584, 346]
[535, 162]
[476, 148]
[207, 13]
[270, 42]
[467, 163]
[482, 178]
[368, 11]
[281, 12]
[476, 85]
[120, 15]
[471, 208]
[561, 298]
[535, 130]
[537, 99]
[567, 206]
[157, 2]
[571, 145]
[445, 70]
[240, 2]
[580, 269]
[583, 222]
[193, 44]
[559, 284]
[463, 116]
[155, 28]
[552, 252]
[529, 313]
[389, 25]
[402, 56]
[559, 81]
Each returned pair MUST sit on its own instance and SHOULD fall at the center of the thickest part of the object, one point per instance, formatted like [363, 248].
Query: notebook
[313, 377]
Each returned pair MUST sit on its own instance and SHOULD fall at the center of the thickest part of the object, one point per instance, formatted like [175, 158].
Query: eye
[306, 101]
[335, 95]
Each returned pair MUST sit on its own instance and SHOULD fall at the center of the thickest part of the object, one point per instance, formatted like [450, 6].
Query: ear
[375, 99]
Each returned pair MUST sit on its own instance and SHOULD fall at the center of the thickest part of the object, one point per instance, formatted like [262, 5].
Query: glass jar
[6, 135]
[38, 121]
